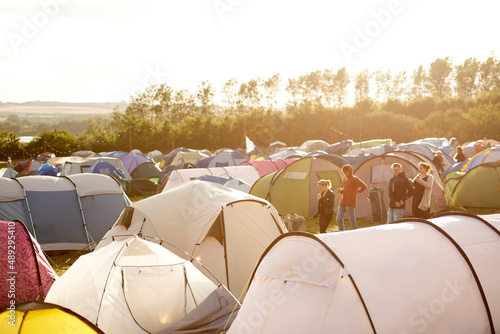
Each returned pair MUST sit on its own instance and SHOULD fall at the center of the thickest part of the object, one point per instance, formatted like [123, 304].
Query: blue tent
[222, 159]
[103, 167]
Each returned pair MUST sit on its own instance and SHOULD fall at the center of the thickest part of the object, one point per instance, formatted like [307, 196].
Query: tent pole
[223, 225]
[28, 207]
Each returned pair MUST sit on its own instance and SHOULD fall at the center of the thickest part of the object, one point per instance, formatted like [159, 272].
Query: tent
[224, 158]
[478, 188]
[177, 177]
[274, 146]
[139, 166]
[411, 276]
[265, 167]
[288, 153]
[39, 317]
[76, 165]
[339, 148]
[135, 286]
[112, 154]
[376, 173]
[225, 229]
[184, 157]
[294, 188]
[63, 213]
[83, 154]
[376, 150]
[8, 172]
[155, 155]
[370, 143]
[104, 167]
[313, 145]
[28, 165]
[488, 155]
[21, 257]
[229, 182]
[167, 159]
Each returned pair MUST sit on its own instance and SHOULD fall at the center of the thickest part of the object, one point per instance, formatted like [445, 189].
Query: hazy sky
[105, 50]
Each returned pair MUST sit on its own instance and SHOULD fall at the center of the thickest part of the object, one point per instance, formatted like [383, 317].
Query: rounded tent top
[313, 145]
[38, 317]
[434, 276]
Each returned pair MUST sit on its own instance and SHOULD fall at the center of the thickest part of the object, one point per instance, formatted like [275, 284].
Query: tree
[438, 80]
[205, 96]
[183, 104]
[362, 85]
[399, 86]
[489, 74]
[466, 77]
[271, 88]
[419, 89]
[230, 94]
[9, 145]
[340, 86]
[384, 85]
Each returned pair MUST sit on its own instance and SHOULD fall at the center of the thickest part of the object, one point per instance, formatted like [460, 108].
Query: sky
[107, 50]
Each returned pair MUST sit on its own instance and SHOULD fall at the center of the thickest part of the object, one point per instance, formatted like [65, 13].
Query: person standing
[326, 201]
[438, 161]
[460, 156]
[423, 188]
[400, 189]
[351, 187]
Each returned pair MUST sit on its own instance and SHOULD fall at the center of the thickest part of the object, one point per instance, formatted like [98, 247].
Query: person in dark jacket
[400, 189]
[460, 156]
[326, 201]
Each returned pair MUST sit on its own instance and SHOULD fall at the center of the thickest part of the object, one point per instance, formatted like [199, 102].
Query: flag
[250, 145]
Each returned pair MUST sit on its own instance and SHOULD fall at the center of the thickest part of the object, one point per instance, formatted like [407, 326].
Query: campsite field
[62, 261]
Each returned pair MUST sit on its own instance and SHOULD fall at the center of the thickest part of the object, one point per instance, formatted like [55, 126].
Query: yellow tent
[40, 317]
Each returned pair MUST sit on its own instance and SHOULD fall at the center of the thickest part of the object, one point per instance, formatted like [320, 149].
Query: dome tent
[225, 229]
[33, 274]
[380, 280]
[293, 189]
[39, 317]
[138, 286]
[376, 172]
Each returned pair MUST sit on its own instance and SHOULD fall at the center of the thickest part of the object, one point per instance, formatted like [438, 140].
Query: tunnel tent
[63, 213]
[226, 229]
[488, 155]
[76, 165]
[380, 280]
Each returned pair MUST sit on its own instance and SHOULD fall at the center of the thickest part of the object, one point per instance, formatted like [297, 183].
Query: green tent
[294, 188]
[478, 188]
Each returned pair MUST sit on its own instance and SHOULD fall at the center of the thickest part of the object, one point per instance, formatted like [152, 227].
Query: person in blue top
[326, 201]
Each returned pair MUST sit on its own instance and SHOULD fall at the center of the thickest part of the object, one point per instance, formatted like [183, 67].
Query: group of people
[400, 190]
[351, 187]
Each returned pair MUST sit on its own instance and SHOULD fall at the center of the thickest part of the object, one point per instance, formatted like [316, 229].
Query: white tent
[248, 174]
[414, 276]
[136, 286]
[225, 229]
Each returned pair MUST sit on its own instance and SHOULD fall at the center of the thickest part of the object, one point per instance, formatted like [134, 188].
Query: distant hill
[91, 105]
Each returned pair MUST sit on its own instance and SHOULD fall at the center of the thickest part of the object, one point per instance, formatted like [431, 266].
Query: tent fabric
[376, 173]
[265, 167]
[294, 188]
[229, 182]
[104, 167]
[313, 145]
[248, 174]
[485, 156]
[183, 157]
[40, 317]
[78, 165]
[224, 158]
[63, 213]
[288, 153]
[7, 172]
[146, 170]
[379, 280]
[133, 286]
[131, 161]
[227, 230]
[479, 187]
[21, 257]
[370, 143]
[167, 159]
[339, 148]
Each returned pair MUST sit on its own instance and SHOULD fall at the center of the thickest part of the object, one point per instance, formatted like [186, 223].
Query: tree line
[442, 100]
